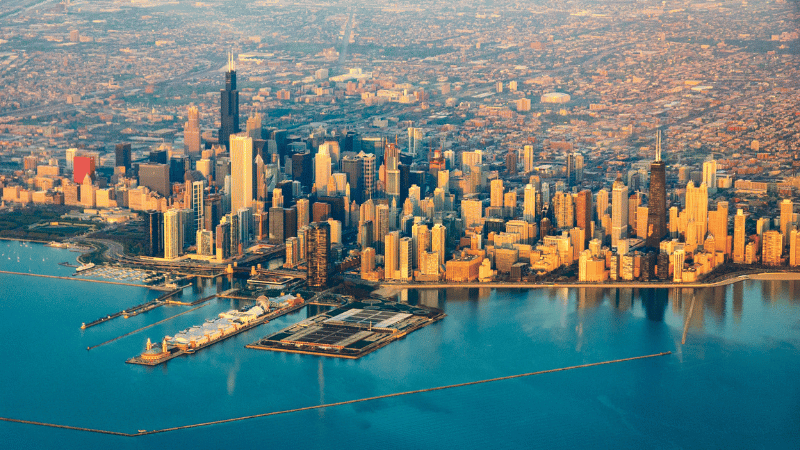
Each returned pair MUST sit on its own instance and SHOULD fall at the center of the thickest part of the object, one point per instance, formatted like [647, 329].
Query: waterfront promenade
[778, 276]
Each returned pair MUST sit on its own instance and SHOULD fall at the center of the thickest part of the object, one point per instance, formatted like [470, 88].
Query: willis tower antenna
[229, 105]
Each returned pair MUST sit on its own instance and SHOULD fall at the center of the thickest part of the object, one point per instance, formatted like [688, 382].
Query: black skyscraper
[229, 106]
[155, 234]
[303, 169]
[657, 208]
[123, 156]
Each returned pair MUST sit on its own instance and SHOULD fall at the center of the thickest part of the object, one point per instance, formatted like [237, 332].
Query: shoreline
[773, 276]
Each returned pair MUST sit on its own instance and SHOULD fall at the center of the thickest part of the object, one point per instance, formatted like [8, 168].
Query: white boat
[84, 267]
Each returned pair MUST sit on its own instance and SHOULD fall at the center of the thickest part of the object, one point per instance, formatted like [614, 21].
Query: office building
[229, 105]
[619, 212]
[241, 150]
[657, 203]
[122, 154]
[191, 133]
[155, 233]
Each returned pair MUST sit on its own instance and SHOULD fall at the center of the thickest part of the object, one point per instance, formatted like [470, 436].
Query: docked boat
[83, 267]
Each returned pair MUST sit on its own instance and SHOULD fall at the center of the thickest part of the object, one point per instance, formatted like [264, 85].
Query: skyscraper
[657, 207]
[718, 227]
[123, 156]
[738, 237]
[391, 258]
[496, 192]
[772, 248]
[511, 163]
[697, 208]
[574, 169]
[619, 212]
[710, 175]
[303, 212]
[353, 167]
[322, 170]
[155, 233]
[406, 258]
[229, 105]
[173, 244]
[527, 158]
[439, 241]
[241, 172]
[787, 217]
[392, 161]
[198, 197]
[529, 204]
[191, 133]
[583, 213]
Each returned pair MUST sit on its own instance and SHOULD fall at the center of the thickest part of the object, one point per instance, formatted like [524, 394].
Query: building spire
[658, 145]
[231, 63]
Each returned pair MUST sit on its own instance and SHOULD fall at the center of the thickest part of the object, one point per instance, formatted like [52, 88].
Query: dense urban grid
[402, 142]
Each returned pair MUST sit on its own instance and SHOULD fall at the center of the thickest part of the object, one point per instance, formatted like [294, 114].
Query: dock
[174, 352]
[136, 310]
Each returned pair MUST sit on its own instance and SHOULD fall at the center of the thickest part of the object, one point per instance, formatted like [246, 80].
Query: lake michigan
[734, 383]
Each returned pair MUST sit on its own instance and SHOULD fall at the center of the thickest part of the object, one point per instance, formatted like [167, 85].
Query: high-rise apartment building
[739, 237]
[718, 226]
[439, 241]
[787, 216]
[583, 213]
[697, 208]
[527, 158]
[772, 248]
[710, 175]
[319, 251]
[529, 204]
[405, 259]
[391, 257]
[496, 192]
[173, 244]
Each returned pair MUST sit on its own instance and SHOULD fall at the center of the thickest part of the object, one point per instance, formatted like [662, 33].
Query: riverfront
[732, 384]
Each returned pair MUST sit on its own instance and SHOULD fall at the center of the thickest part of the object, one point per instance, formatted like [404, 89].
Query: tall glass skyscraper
[657, 208]
[229, 105]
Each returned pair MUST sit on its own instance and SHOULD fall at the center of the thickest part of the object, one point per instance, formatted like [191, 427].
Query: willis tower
[657, 209]
[229, 106]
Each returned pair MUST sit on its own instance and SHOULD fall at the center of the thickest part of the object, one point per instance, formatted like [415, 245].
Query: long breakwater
[331, 405]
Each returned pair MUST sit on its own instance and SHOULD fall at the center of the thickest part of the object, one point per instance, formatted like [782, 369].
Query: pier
[143, 328]
[331, 405]
[175, 352]
[136, 310]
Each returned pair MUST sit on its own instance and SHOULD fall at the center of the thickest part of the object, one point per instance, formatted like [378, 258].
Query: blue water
[733, 384]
